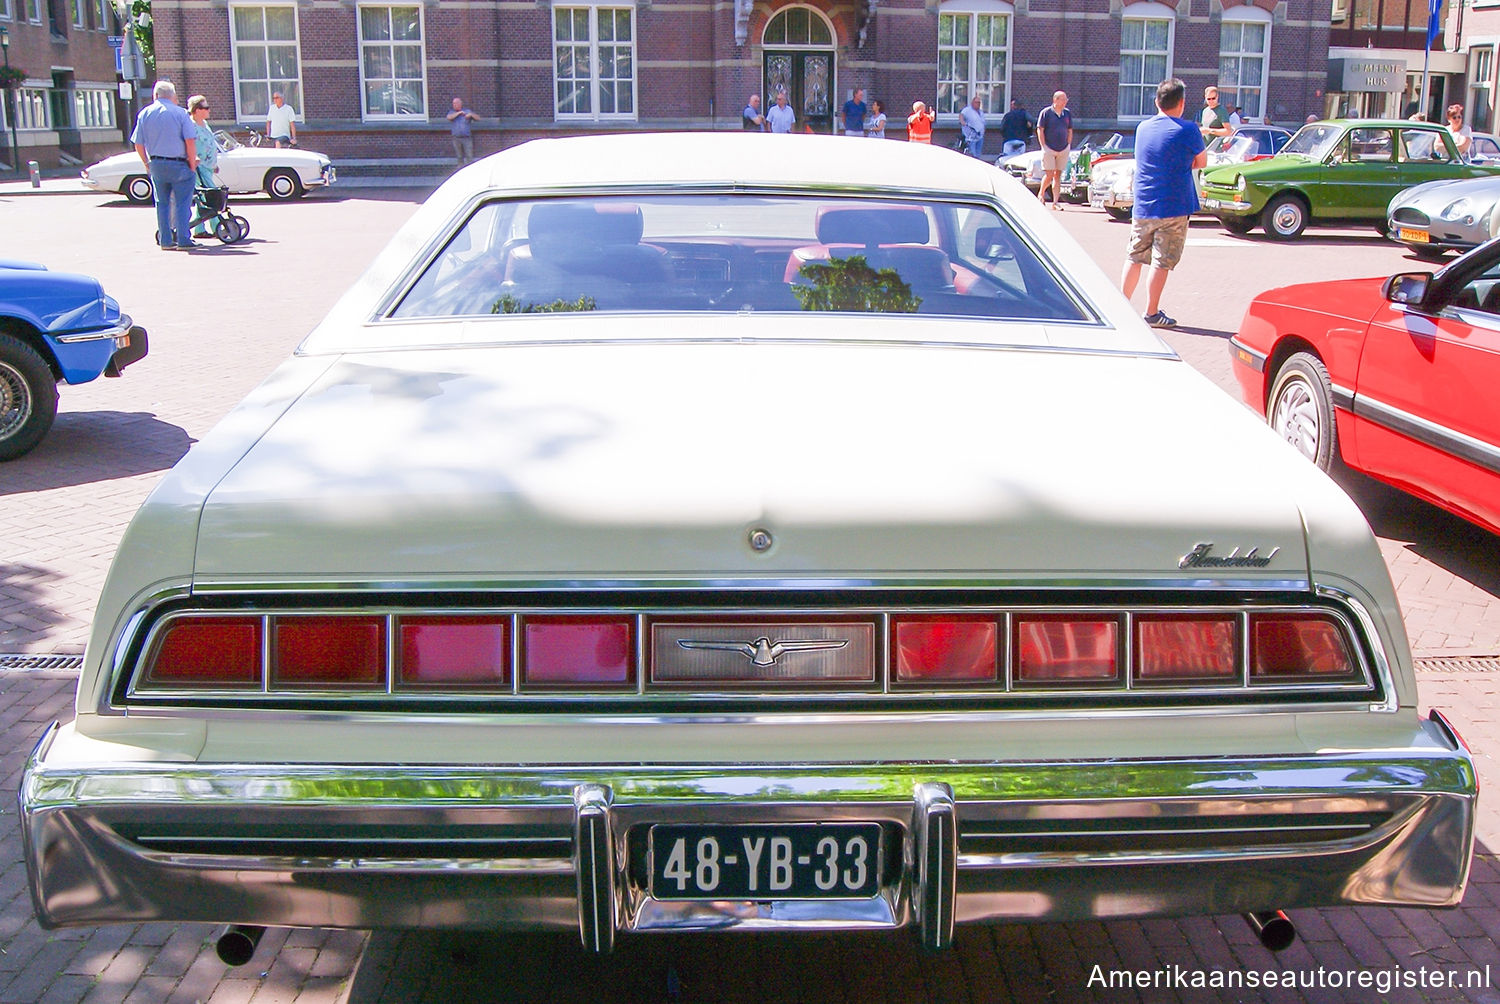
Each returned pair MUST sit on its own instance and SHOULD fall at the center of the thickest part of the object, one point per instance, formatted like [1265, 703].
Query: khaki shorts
[1158, 243]
[1054, 160]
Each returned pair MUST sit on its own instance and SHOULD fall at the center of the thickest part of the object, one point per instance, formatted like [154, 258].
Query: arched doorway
[798, 52]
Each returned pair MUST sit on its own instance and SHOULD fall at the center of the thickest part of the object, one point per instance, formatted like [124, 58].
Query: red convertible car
[1394, 377]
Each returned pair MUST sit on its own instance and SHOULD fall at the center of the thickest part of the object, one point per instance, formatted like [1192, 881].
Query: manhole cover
[64, 663]
[1460, 664]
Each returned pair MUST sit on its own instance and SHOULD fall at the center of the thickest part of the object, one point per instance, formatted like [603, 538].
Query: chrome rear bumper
[565, 847]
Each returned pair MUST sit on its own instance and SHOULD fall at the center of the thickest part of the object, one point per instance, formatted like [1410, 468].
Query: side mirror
[1408, 287]
[993, 244]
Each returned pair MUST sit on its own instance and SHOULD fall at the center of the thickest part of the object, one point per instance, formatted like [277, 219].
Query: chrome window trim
[429, 251]
[1428, 433]
[1354, 621]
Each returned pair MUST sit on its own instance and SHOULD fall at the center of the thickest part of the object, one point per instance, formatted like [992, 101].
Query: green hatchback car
[1339, 171]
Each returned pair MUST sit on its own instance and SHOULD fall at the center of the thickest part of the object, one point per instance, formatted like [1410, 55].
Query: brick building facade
[374, 79]
[66, 108]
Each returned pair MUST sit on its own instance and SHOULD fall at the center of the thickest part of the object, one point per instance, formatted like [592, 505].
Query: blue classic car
[54, 327]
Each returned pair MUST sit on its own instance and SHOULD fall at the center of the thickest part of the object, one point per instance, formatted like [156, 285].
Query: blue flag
[1434, 21]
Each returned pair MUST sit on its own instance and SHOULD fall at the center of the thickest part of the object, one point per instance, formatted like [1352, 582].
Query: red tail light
[585, 652]
[467, 652]
[1172, 648]
[1290, 645]
[328, 651]
[1067, 649]
[210, 652]
[945, 648]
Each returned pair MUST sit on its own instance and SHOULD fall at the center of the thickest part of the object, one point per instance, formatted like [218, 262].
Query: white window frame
[94, 108]
[101, 15]
[594, 114]
[33, 11]
[1246, 14]
[7, 13]
[973, 10]
[391, 43]
[36, 118]
[80, 11]
[1482, 86]
[241, 115]
[1145, 13]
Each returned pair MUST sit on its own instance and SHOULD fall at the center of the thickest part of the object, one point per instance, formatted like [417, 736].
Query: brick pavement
[62, 509]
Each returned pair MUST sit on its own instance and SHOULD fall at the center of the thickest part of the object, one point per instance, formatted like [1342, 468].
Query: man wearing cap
[166, 140]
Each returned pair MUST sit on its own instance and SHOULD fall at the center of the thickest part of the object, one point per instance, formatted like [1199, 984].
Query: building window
[7, 12]
[1244, 47]
[1146, 33]
[1481, 75]
[93, 108]
[391, 62]
[31, 109]
[101, 15]
[594, 62]
[266, 59]
[33, 9]
[80, 10]
[973, 56]
[798, 27]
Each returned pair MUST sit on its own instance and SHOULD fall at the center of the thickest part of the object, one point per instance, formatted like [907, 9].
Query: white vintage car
[713, 531]
[281, 174]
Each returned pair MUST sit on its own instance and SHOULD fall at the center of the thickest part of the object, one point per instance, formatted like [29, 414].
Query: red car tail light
[578, 652]
[1172, 648]
[210, 652]
[336, 652]
[946, 649]
[465, 652]
[1298, 645]
[1067, 649]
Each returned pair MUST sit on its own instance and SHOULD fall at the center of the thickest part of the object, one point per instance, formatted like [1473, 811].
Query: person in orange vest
[919, 123]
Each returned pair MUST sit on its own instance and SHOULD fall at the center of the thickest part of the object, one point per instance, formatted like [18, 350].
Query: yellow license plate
[1418, 236]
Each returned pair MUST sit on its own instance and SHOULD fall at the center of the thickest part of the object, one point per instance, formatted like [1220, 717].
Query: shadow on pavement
[1455, 544]
[90, 446]
[24, 611]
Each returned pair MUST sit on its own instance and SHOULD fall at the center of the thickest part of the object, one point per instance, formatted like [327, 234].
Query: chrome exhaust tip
[1274, 929]
[236, 944]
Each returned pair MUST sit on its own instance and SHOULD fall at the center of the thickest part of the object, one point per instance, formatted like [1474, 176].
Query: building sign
[1380, 75]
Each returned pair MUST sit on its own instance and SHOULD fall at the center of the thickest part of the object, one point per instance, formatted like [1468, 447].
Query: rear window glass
[738, 253]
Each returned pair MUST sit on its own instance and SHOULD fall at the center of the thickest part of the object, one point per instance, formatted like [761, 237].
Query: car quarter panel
[1426, 411]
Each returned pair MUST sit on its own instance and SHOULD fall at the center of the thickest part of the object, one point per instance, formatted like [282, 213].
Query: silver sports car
[1440, 216]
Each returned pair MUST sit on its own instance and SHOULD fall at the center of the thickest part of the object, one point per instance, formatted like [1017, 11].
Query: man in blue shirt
[971, 121]
[1167, 151]
[166, 140]
[854, 114]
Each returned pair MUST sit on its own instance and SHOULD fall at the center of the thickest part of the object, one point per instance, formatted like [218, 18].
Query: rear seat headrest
[885, 225]
[573, 225]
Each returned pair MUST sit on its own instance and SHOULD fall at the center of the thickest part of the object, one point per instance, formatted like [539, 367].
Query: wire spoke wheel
[15, 400]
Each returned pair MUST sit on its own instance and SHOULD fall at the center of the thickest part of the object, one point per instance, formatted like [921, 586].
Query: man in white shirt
[281, 122]
[780, 116]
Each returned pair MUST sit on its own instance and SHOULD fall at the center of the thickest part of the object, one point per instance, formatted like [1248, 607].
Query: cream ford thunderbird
[735, 531]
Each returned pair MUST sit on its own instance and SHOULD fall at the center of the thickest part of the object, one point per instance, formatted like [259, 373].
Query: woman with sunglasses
[208, 153]
[1462, 137]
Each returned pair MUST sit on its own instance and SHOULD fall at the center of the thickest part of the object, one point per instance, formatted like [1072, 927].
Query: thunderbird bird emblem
[762, 651]
[1199, 557]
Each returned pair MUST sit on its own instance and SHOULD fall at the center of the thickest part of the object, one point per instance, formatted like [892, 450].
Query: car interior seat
[592, 249]
[892, 237]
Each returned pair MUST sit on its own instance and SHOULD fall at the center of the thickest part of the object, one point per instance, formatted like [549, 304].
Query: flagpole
[1433, 29]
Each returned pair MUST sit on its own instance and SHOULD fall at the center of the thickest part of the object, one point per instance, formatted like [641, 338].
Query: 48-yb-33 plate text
[765, 861]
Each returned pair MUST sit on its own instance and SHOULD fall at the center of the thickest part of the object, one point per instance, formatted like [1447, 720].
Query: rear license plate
[764, 862]
[1418, 236]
